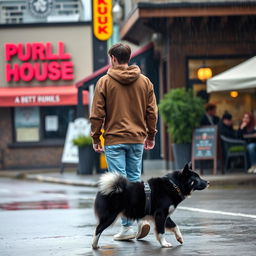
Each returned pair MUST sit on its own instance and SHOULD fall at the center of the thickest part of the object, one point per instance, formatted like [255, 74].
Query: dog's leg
[171, 226]
[160, 218]
[95, 241]
[103, 224]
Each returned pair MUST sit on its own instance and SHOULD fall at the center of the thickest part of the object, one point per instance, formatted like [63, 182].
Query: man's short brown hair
[210, 106]
[122, 52]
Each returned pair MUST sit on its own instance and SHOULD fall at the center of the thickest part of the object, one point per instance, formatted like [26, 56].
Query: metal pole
[80, 105]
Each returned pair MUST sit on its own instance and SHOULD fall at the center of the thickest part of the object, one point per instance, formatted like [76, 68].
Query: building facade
[189, 35]
[44, 50]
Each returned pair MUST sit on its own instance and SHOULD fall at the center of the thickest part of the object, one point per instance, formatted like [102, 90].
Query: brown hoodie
[124, 105]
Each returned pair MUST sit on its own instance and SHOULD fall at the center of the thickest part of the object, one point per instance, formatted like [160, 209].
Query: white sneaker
[126, 233]
[252, 169]
[143, 229]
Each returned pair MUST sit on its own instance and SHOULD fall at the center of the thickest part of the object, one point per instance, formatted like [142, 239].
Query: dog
[119, 196]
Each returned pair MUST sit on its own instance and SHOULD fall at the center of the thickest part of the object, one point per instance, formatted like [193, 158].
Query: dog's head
[190, 180]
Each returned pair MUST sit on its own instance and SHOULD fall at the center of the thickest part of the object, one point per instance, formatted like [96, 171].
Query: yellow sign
[102, 19]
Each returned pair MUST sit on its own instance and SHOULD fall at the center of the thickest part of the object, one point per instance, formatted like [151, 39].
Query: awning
[242, 76]
[142, 20]
[40, 96]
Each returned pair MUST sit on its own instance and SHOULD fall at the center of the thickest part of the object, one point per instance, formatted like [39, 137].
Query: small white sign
[80, 126]
[51, 123]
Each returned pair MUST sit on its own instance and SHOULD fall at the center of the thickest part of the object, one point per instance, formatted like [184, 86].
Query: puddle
[40, 205]
[46, 205]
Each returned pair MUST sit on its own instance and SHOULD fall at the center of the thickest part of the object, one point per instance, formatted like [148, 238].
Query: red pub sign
[38, 61]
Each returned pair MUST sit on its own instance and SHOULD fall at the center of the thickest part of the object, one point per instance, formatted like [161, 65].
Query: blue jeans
[251, 149]
[125, 159]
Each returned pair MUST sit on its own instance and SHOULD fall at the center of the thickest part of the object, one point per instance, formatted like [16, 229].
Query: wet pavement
[52, 219]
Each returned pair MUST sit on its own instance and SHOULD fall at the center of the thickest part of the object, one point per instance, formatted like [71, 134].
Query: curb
[224, 181]
[60, 181]
[218, 181]
[41, 178]
[244, 181]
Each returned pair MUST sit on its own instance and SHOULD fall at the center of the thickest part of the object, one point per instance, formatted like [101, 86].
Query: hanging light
[117, 11]
[233, 94]
[204, 73]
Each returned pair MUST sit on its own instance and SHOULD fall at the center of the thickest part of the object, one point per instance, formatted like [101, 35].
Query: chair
[233, 148]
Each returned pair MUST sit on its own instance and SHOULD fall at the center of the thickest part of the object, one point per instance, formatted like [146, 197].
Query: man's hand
[149, 144]
[98, 148]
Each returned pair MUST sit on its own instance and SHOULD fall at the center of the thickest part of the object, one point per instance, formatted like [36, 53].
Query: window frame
[49, 142]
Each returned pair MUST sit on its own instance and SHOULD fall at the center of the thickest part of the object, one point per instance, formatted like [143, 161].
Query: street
[52, 219]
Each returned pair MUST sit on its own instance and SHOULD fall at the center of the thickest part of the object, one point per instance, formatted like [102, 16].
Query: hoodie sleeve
[151, 113]
[98, 112]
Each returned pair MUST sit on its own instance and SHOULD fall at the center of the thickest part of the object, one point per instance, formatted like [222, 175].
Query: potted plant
[182, 112]
[85, 154]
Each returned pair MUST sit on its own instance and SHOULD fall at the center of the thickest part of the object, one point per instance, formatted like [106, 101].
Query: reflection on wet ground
[54, 199]
[16, 195]
[46, 205]
[68, 230]
[14, 206]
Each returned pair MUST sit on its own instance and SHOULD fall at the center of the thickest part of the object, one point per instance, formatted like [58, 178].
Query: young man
[210, 118]
[124, 105]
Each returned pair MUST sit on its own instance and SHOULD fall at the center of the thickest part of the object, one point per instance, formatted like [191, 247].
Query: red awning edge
[40, 96]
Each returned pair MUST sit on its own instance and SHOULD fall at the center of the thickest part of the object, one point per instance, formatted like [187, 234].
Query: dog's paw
[180, 239]
[163, 242]
[95, 247]
[166, 245]
[178, 235]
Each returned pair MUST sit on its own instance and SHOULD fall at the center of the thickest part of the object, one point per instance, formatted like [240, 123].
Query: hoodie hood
[124, 75]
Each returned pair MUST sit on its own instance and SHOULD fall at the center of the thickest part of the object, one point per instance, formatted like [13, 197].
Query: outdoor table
[250, 136]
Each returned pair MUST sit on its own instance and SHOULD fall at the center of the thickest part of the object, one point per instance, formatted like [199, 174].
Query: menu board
[204, 144]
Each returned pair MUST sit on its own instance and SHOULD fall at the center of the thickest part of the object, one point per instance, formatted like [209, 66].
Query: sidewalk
[71, 178]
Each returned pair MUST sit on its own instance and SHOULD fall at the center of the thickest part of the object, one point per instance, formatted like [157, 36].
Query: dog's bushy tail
[112, 182]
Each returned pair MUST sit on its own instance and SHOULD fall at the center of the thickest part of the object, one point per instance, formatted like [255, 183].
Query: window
[55, 121]
[217, 65]
[39, 124]
[236, 106]
[27, 123]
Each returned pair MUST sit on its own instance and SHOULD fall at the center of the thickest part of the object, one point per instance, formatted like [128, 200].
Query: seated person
[247, 126]
[210, 118]
[225, 127]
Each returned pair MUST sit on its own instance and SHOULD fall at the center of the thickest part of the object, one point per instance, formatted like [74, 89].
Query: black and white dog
[119, 196]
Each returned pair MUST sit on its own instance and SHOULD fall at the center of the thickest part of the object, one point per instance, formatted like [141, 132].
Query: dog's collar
[147, 191]
[177, 189]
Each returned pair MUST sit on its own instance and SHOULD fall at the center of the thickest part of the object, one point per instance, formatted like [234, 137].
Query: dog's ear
[185, 169]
